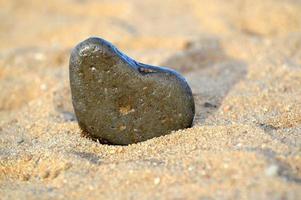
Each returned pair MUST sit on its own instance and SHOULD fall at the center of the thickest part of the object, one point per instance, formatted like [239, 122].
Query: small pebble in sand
[209, 105]
[157, 181]
[20, 140]
[121, 101]
[272, 170]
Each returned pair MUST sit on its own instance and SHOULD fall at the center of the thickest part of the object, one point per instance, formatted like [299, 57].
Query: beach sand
[241, 58]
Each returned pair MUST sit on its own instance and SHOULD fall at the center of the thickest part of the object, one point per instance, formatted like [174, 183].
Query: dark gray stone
[121, 101]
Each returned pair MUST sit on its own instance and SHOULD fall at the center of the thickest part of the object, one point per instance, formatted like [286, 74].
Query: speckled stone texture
[120, 101]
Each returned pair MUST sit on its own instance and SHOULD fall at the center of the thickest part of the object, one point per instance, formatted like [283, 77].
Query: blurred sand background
[241, 58]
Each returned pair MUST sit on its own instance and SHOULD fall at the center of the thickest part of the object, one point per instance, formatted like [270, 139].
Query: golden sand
[241, 58]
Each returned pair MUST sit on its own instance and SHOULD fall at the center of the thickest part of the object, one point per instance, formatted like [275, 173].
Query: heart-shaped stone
[121, 101]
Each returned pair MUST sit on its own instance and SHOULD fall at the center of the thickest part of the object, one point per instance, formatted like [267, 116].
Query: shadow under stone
[210, 73]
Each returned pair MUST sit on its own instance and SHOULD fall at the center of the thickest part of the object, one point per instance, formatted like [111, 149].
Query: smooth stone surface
[121, 101]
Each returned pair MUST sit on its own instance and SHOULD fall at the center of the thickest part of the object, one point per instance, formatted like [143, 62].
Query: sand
[241, 58]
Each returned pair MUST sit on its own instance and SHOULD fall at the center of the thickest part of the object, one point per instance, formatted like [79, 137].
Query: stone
[120, 101]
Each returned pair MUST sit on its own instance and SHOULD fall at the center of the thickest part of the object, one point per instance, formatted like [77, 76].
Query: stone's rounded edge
[183, 82]
[94, 44]
[186, 88]
[169, 71]
[188, 93]
[183, 85]
[91, 45]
